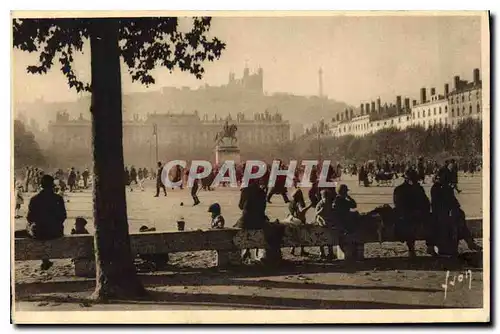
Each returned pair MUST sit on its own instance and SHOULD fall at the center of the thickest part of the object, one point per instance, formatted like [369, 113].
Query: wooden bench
[228, 243]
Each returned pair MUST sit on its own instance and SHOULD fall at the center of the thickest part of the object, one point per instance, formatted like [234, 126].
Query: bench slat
[170, 242]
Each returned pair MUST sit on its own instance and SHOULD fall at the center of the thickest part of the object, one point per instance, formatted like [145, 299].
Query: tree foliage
[145, 43]
[437, 142]
[26, 149]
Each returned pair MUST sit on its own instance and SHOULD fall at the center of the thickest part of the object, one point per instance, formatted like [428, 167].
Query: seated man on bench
[46, 215]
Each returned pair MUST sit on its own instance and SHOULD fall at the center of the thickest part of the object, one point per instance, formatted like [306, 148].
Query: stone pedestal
[227, 150]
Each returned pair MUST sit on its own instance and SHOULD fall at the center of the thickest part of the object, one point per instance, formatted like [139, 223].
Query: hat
[410, 174]
[342, 188]
[144, 228]
[214, 208]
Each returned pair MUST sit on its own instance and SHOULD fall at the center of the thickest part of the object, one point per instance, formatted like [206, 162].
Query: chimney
[367, 107]
[398, 104]
[407, 104]
[475, 75]
[373, 107]
[433, 91]
[457, 82]
[446, 90]
[361, 107]
[423, 98]
[414, 103]
[379, 108]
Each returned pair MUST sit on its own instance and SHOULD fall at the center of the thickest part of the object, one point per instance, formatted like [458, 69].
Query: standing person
[449, 217]
[19, 200]
[133, 175]
[412, 208]
[71, 179]
[279, 187]
[126, 177]
[85, 176]
[140, 176]
[421, 170]
[194, 189]
[453, 172]
[145, 173]
[79, 181]
[314, 194]
[252, 203]
[159, 182]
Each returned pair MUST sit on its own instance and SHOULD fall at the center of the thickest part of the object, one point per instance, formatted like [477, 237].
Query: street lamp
[155, 133]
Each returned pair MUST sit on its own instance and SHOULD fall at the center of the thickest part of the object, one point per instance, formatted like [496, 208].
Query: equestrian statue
[228, 131]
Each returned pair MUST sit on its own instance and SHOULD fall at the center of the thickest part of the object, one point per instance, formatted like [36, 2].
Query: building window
[452, 112]
[458, 112]
[478, 108]
[385, 123]
[451, 100]
[378, 124]
[434, 121]
[434, 111]
[407, 118]
[428, 113]
[470, 109]
[440, 110]
[440, 121]
[463, 111]
[418, 114]
[445, 109]
[463, 98]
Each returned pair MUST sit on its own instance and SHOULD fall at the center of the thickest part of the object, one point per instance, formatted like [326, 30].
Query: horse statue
[228, 131]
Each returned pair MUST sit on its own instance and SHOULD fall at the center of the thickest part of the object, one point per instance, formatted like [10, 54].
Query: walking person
[85, 176]
[194, 192]
[159, 182]
[72, 179]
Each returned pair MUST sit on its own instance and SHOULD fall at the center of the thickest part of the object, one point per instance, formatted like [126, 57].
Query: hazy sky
[362, 57]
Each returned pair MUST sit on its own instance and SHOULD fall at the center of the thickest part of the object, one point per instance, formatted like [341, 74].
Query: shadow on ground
[234, 301]
[245, 276]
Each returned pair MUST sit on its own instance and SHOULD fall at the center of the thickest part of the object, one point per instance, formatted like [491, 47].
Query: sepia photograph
[250, 167]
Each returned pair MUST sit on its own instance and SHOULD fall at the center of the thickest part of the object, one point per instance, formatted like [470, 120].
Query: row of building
[186, 130]
[447, 109]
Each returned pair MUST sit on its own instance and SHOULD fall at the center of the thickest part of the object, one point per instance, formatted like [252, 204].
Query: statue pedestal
[227, 151]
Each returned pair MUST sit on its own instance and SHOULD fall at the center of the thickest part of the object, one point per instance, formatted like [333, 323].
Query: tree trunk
[116, 275]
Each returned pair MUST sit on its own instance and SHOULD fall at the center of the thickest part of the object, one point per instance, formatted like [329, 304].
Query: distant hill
[213, 101]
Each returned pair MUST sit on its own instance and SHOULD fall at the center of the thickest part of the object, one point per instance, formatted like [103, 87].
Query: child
[217, 219]
[19, 200]
[79, 228]
[324, 218]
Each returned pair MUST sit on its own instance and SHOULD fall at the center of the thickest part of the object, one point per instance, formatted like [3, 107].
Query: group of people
[137, 176]
[441, 217]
